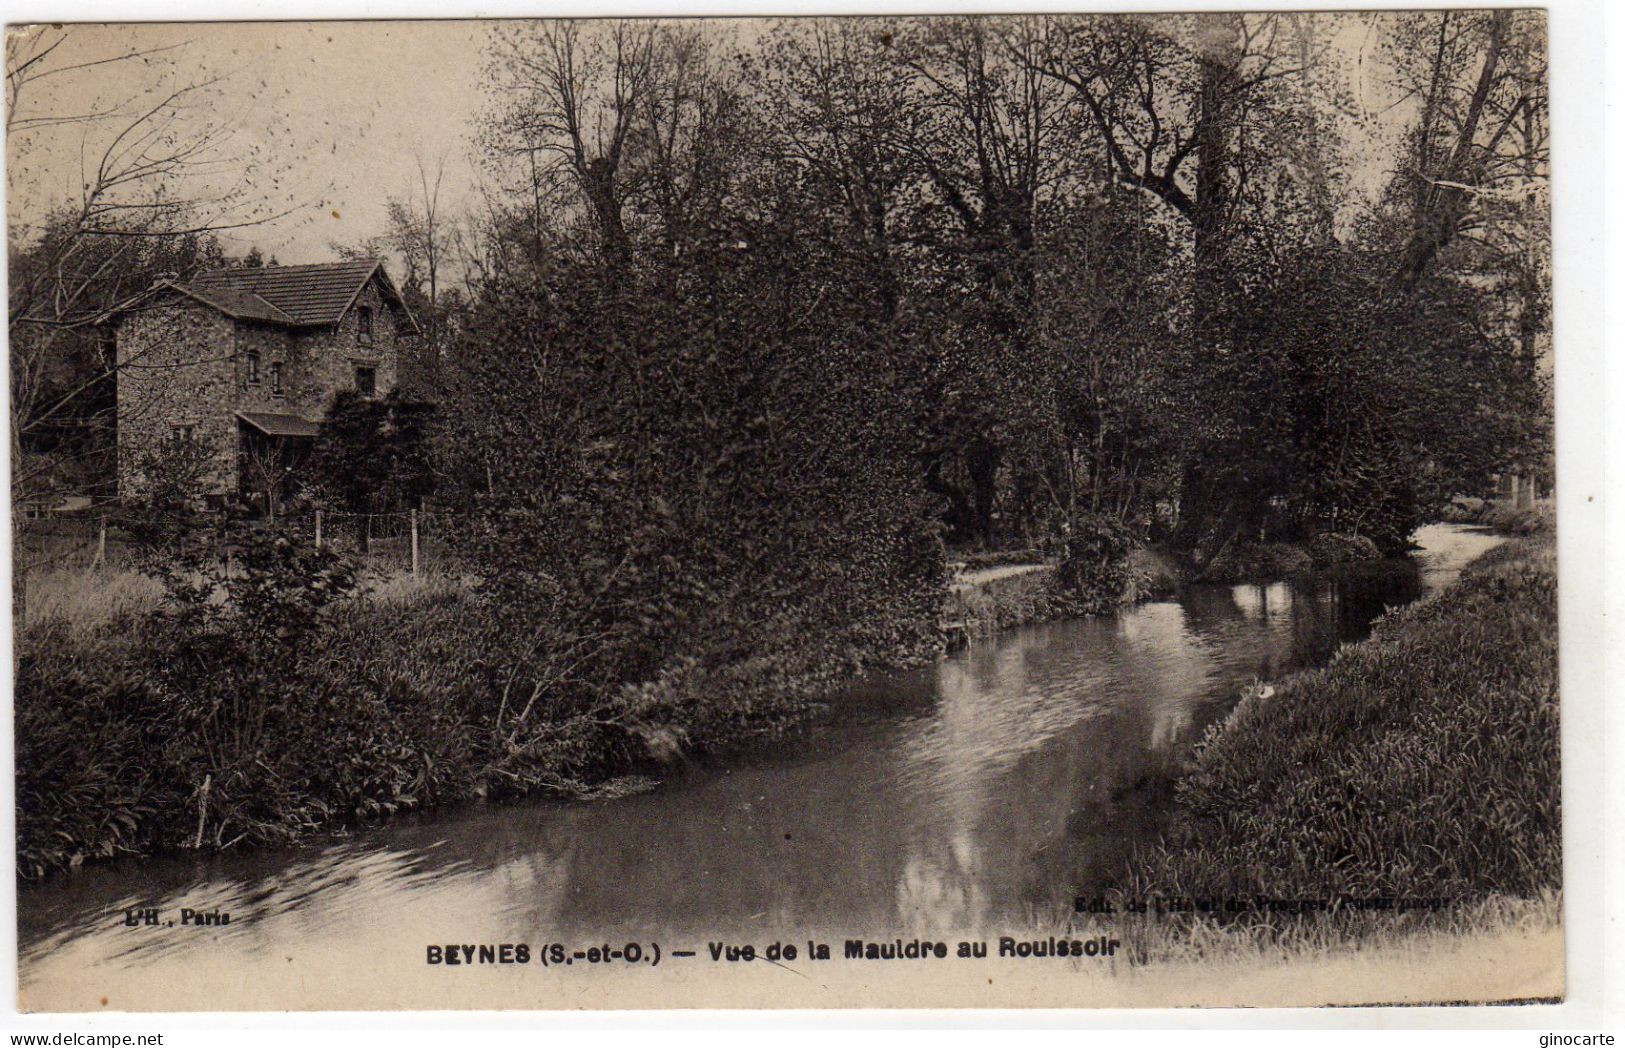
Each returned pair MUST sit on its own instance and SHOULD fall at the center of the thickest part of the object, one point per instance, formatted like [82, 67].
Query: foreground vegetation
[204, 705]
[265, 707]
[1420, 767]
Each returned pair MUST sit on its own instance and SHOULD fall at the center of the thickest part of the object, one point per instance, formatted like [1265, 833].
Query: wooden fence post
[318, 529]
[101, 544]
[414, 543]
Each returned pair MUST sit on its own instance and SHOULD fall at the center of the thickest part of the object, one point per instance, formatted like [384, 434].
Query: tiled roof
[273, 424]
[298, 295]
[237, 303]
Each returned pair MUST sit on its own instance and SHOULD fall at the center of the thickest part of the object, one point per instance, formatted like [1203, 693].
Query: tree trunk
[1218, 105]
[1218, 98]
[982, 461]
[1445, 197]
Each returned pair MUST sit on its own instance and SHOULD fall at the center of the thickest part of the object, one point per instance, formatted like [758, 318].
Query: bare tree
[271, 466]
[1473, 192]
[1477, 79]
[836, 105]
[1174, 102]
[148, 183]
[425, 239]
[570, 94]
[159, 175]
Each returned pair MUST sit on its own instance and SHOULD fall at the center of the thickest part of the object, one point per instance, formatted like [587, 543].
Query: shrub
[1513, 521]
[1258, 562]
[259, 706]
[1004, 603]
[1463, 509]
[1329, 549]
[1094, 573]
[1157, 573]
[87, 734]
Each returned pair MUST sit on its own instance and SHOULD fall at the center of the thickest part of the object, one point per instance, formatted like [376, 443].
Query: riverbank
[169, 722]
[139, 736]
[1410, 787]
[400, 700]
[143, 734]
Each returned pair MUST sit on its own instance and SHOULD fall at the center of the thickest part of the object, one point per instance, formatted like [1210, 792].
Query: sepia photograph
[931, 511]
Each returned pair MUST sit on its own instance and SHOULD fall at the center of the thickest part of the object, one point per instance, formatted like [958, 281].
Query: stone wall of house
[182, 363]
[275, 345]
[330, 356]
[175, 369]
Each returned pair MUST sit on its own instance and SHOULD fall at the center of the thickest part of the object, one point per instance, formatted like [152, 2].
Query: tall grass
[83, 600]
[1420, 766]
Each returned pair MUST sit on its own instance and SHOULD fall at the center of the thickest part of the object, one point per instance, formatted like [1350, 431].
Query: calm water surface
[992, 787]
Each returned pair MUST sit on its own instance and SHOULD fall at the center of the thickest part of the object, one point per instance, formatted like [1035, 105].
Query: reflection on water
[991, 787]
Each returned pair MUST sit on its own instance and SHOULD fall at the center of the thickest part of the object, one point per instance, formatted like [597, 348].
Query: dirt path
[982, 576]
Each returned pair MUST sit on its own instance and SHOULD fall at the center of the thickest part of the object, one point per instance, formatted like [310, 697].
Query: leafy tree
[374, 455]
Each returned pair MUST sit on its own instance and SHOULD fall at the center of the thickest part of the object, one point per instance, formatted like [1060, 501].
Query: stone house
[240, 366]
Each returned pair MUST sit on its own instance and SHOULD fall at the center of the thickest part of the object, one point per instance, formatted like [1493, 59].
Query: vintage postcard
[931, 511]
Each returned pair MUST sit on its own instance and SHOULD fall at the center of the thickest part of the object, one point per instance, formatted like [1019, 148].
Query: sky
[330, 119]
[338, 114]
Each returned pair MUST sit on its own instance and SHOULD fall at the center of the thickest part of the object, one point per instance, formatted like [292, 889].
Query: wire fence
[408, 541]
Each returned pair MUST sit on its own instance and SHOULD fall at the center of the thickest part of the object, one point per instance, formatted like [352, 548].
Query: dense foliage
[372, 454]
[1059, 291]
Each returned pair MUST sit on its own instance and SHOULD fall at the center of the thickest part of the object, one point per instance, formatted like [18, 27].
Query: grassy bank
[981, 607]
[1419, 767]
[402, 703]
[988, 602]
[286, 701]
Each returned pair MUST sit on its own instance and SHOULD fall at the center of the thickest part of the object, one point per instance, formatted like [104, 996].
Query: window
[253, 368]
[185, 432]
[363, 324]
[366, 380]
[276, 378]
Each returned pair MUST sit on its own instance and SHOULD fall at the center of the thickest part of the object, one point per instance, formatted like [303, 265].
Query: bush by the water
[1094, 575]
[1463, 509]
[1101, 570]
[1513, 521]
[1419, 765]
[1258, 562]
[1501, 515]
[1274, 561]
[1329, 549]
[1004, 603]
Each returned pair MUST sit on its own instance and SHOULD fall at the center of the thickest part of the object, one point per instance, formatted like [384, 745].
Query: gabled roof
[297, 296]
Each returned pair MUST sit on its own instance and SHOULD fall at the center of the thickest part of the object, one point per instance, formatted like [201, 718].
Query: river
[991, 788]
